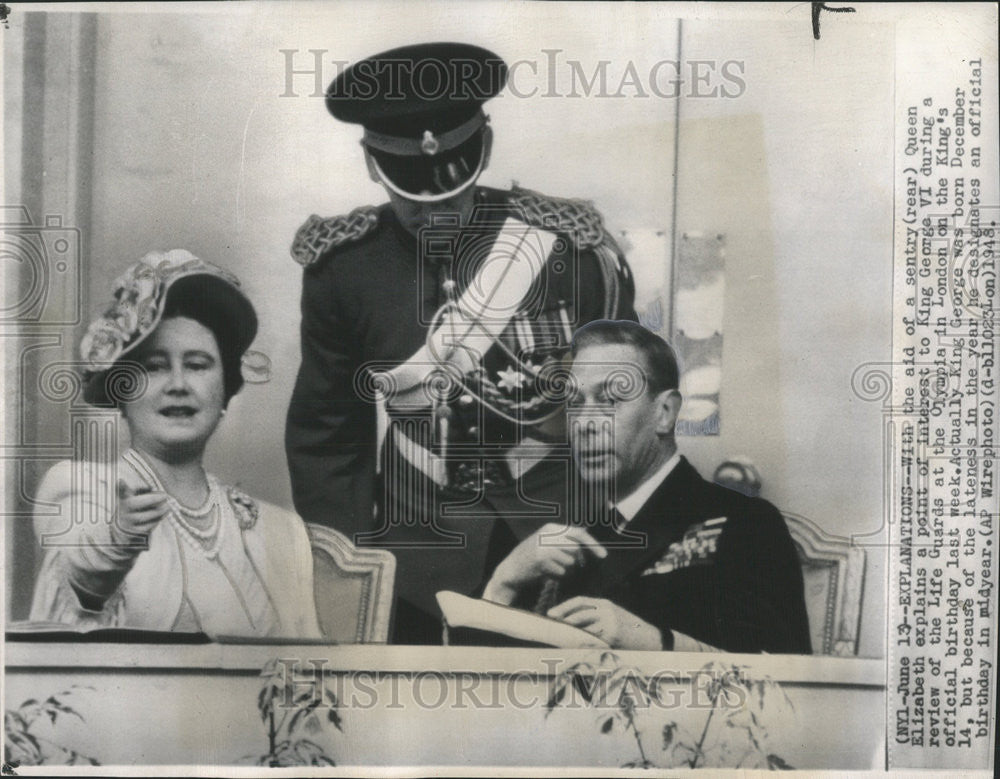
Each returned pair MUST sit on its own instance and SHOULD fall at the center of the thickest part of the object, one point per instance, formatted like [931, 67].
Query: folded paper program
[471, 621]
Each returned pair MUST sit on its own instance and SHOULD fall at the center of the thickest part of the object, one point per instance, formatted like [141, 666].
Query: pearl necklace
[189, 523]
[191, 527]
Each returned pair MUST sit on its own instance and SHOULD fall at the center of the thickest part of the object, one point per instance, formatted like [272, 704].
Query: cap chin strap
[429, 198]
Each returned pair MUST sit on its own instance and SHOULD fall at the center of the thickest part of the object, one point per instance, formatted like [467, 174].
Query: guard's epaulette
[578, 219]
[318, 235]
[582, 223]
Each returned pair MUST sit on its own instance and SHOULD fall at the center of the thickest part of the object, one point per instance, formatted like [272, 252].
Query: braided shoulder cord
[318, 235]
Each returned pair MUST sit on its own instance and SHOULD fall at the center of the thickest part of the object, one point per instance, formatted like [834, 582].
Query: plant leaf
[265, 700]
[28, 744]
[262, 703]
[302, 712]
[306, 696]
[70, 710]
[669, 731]
[556, 694]
[609, 658]
[775, 763]
[580, 685]
[306, 751]
[28, 712]
[13, 721]
[688, 753]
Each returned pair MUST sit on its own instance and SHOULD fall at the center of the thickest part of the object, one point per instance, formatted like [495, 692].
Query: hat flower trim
[102, 344]
[138, 299]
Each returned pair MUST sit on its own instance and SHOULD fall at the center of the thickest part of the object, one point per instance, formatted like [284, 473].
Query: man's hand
[548, 552]
[620, 628]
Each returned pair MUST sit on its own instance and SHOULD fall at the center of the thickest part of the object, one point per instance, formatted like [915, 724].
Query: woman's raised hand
[139, 510]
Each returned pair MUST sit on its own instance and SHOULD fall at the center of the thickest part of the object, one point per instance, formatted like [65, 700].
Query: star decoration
[511, 379]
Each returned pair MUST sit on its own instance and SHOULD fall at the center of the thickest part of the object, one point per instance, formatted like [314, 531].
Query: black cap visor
[431, 178]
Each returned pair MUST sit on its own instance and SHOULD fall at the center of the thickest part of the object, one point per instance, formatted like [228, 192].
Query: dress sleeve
[279, 547]
[85, 563]
[330, 435]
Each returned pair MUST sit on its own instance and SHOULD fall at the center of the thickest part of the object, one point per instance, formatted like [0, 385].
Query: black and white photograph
[499, 388]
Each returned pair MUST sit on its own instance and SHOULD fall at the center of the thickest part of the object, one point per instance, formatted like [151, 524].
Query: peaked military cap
[421, 109]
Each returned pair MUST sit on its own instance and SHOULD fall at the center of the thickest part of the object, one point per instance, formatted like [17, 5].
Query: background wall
[194, 147]
[796, 174]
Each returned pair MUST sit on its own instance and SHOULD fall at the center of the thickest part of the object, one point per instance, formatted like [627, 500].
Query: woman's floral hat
[140, 295]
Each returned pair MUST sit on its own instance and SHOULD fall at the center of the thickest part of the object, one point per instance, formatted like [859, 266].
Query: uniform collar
[629, 506]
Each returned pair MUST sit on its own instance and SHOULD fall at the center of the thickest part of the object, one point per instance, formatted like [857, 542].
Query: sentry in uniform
[403, 308]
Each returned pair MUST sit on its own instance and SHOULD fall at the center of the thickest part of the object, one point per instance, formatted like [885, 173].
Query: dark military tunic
[371, 292]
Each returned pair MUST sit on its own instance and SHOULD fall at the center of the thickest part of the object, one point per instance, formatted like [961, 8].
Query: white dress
[235, 567]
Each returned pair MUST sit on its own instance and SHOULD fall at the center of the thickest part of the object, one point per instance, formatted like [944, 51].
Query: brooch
[244, 506]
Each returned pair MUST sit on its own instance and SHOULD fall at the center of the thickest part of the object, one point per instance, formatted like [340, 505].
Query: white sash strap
[421, 458]
[481, 314]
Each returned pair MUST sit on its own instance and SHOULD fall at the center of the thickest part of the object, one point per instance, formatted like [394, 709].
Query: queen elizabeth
[153, 541]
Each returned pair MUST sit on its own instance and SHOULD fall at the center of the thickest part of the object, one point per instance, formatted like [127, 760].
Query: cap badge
[429, 145]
